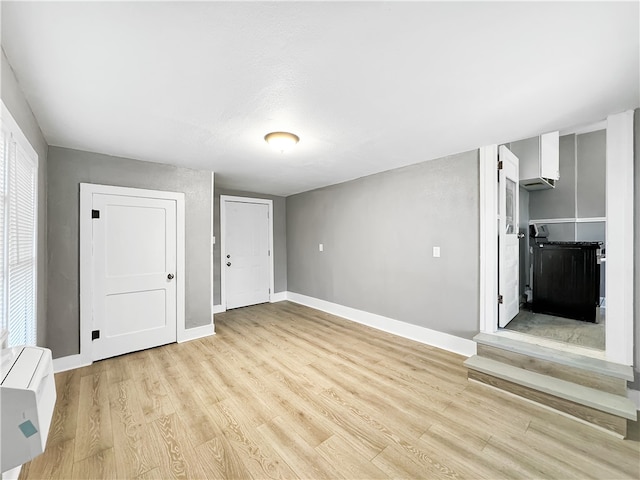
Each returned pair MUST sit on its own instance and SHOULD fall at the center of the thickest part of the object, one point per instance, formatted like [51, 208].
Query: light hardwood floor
[284, 391]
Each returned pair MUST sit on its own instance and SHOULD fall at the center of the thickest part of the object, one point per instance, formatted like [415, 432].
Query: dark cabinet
[566, 279]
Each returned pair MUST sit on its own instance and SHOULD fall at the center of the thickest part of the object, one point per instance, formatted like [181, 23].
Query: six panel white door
[134, 264]
[509, 256]
[246, 256]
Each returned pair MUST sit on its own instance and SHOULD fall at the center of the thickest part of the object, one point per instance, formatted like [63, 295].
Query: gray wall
[67, 169]
[14, 100]
[279, 239]
[580, 192]
[591, 160]
[378, 233]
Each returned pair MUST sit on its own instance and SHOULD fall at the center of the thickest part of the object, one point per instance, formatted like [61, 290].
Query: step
[603, 409]
[581, 376]
[569, 359]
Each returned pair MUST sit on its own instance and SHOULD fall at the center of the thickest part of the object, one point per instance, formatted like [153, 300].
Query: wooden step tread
[569, 359]
[596, 399]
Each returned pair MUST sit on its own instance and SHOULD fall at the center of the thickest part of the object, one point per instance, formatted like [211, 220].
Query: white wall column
[619, 238]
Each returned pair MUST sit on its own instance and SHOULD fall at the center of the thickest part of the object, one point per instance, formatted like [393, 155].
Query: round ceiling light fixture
[281, 141]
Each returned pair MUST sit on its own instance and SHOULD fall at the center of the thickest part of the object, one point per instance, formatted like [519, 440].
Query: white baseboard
[218, 309]
[197, 332]
[424, 335]
[634, 396]
[278, 297]
[12, 474]
[69, 362]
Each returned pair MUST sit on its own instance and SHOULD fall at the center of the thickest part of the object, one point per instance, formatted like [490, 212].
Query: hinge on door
[499, 164]
[95, 334]
[269, 291]
[268, 253]
[500, 299]
[95, 213]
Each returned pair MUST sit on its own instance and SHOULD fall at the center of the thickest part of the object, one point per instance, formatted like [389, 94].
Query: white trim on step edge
[634, 396]
[218, 309]
[424, 335]
[278, 297]
[69, 362]
[197, 332]
[12, 474]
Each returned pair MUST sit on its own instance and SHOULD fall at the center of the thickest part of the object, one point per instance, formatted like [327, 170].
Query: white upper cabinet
[539, 161]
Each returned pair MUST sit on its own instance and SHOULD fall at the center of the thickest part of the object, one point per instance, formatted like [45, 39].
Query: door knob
[228, 264]
[521, 235]
[228, 256]
[170, 276]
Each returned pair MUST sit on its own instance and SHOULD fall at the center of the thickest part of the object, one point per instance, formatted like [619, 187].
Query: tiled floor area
[576, 332]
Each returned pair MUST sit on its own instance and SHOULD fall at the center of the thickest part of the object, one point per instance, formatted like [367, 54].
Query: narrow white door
[508, 222]
[246, 255]
[134, 268]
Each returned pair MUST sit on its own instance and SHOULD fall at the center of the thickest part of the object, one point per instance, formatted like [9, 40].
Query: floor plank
[283, 391]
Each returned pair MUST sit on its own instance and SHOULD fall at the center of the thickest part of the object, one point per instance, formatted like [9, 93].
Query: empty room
[320, 240]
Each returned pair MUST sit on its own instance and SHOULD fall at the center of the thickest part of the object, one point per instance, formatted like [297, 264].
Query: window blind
[18, 223]
[4, 324]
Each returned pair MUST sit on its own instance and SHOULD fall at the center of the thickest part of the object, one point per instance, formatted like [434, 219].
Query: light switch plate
[320, 247]
[436, 251]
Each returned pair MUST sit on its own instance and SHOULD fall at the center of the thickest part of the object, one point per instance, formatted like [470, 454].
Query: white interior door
[134, 268]
[246, 253]
[508, 222]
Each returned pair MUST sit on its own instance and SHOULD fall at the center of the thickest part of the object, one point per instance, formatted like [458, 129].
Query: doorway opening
[562, 236]
[611, 339]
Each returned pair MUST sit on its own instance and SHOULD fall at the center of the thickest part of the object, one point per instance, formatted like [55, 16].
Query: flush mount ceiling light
[281, 141]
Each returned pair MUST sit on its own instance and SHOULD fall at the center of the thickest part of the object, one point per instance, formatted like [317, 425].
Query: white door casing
[132, 269]
[508, 224]
[246, 251]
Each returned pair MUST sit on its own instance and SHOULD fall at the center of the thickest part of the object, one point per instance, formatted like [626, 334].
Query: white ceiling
[368, 86]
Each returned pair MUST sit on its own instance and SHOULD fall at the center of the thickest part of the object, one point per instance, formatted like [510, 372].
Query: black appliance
[566, 279]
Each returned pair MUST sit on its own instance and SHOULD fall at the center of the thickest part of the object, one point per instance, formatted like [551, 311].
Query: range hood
[539, 161]
[538, 183]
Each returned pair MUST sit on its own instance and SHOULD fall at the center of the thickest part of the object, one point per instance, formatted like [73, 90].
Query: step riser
[594, 380]
[604, 420]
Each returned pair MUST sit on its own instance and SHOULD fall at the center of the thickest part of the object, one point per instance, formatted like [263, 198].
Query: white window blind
[4, 324]
[18, 180]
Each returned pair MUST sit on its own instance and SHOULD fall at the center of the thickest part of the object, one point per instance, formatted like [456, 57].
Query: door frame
[619, 237]
[87, 190]
[223, 235]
